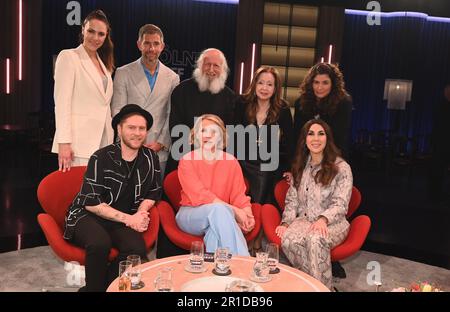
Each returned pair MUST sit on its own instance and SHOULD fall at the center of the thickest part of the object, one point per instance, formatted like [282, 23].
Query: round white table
[287, 280]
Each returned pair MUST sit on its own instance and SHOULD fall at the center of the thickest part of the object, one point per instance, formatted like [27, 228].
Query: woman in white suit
[83, 91]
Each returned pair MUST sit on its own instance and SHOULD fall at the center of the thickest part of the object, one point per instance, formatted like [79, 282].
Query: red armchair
[55, 193]
[359, 226]
[167, 211]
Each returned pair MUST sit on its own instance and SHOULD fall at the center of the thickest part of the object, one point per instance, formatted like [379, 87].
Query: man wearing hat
[120, 186]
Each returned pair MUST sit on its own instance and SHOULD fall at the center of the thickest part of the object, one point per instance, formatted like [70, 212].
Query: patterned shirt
[106, 179]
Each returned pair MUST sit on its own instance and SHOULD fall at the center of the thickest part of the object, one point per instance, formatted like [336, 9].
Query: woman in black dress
[259, 109]
[262, 111]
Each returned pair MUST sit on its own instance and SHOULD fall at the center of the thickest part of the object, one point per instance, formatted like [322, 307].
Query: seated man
[120, 186]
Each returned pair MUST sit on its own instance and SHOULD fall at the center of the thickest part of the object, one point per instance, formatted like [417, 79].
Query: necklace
[259, 141]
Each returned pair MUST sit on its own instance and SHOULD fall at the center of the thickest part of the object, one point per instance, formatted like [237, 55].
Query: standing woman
[316, 203]
[323, 95]
[83, 91]
[261, 105]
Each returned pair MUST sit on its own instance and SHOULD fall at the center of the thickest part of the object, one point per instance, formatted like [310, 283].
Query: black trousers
[262, 183]
[97, 235]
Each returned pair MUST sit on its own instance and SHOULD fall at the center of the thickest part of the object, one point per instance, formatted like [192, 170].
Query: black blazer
[340, 123]
[286, 139]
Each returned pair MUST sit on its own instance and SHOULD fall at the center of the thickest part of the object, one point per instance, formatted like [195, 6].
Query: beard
[132, 145]
[204, 84]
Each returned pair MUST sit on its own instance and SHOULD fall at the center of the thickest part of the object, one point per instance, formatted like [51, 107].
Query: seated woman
[314, 220]
[213, 200]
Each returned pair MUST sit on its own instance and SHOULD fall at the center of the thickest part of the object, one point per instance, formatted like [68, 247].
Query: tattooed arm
[146, 204]
[134, 221]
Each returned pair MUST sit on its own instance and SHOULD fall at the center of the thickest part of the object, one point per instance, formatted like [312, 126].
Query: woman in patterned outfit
[316, 203]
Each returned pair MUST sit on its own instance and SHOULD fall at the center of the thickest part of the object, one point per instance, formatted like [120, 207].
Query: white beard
[204, 84]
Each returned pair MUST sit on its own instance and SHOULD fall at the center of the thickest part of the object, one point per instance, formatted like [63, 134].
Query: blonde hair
[193, 139]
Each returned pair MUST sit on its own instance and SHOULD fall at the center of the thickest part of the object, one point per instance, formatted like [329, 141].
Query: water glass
[135, 271]
[221, 261]
[124, 278]
[273, 256]
[163, 281]
[196, 257]
[261, 268]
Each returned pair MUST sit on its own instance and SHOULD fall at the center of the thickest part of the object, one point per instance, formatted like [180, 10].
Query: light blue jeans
[216, 221]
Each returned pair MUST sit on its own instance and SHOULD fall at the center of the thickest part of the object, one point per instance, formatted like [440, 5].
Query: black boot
[337, 270]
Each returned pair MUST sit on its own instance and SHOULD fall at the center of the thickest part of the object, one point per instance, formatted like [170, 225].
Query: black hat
[132, 109]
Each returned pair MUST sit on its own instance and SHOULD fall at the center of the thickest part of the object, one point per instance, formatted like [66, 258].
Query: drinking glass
[260, 272]
[124, 278]
[135, 271]
[221, 262]
[273, 257]
[196, 257]
[163, 281]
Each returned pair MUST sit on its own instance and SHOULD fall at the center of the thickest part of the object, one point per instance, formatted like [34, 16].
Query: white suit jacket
[82, 107]
[131, 87]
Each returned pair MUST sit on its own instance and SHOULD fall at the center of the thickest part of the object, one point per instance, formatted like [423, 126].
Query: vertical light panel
[253, 62]
[19, 241]
[8, 75]
[242, 78]
[330, 52]
[321, 59]
[20, 38]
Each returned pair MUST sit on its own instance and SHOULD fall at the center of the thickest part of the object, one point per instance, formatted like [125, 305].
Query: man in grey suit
[148, 83]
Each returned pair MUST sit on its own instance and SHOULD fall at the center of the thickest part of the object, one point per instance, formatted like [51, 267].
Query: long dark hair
[338, 93]
[329, 169]
[106, 51]
[275, 100]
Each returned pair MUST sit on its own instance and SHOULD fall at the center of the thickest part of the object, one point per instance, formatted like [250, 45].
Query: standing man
[204, 93]
[120, 186]
[148, 83]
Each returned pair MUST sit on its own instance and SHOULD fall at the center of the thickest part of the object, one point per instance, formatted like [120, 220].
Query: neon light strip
[19, 241]
[220, 1]
[20, 39]
[400, 14]
[8, 81]
[330, 52]
[242, 78]
[253, 62]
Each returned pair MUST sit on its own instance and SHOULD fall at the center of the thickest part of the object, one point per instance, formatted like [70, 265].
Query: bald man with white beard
[204, 93]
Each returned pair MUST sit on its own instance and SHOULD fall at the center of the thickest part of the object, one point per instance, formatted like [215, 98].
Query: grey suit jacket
[131, 87]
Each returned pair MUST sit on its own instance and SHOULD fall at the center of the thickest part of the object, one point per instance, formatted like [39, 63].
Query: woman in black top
[323, 95]
[261, 108]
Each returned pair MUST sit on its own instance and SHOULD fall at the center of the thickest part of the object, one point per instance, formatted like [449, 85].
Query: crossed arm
[138, 221]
